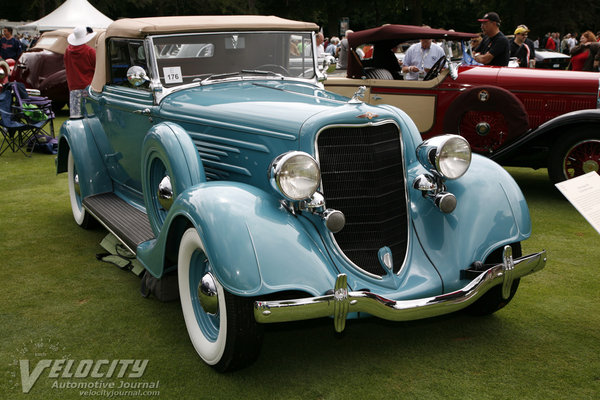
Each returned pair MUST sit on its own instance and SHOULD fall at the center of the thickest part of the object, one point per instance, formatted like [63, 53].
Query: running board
[127, 223]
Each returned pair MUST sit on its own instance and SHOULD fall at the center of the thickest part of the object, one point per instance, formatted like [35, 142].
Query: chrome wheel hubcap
[208, 296]
[590, 166]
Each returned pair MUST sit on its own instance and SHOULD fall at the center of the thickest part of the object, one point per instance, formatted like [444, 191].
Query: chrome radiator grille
[363, 176]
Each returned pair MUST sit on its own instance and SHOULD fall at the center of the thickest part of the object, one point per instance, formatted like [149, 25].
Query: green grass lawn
[59, 302]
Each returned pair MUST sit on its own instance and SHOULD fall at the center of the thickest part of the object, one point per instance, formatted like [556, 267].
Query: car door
[127, 114]
[413, 97]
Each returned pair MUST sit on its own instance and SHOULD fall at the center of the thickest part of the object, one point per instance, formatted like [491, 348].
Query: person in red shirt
[550, 45]
[80, 63]
[586, 55]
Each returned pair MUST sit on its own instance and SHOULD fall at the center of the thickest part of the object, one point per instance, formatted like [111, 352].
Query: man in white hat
[80, 63]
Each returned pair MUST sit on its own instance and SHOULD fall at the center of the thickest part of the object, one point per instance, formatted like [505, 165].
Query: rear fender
[55, 86]
[76, 136]
[255, 246]
[491, 212]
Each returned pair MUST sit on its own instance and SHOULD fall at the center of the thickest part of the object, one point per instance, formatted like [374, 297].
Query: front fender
[255, 246]
[168, 149]
[571, 118]
[76, 135]
[545, 133]
[491, 212]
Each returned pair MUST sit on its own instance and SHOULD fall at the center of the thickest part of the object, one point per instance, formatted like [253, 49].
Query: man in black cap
[494, 48]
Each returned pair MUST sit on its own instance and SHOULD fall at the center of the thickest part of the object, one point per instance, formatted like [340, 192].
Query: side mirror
[453, 70]
[329, 64]
[136, 76]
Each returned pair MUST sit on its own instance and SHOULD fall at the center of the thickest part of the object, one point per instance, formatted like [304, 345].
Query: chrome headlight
[296, 175]
[449, 155]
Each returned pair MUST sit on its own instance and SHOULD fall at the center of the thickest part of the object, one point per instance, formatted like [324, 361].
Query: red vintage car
[43, 68]
[516, 116]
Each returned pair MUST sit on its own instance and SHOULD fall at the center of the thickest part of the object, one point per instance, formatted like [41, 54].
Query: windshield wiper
[220, 76]
[242, 72]
[261, 72]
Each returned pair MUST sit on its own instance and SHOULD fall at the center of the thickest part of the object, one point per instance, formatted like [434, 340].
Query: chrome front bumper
[342, 302]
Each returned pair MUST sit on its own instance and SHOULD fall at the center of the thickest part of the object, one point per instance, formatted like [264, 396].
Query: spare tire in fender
[487, 116]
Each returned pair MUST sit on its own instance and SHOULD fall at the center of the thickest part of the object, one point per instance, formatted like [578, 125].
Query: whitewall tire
[226, 338]
[81, 216]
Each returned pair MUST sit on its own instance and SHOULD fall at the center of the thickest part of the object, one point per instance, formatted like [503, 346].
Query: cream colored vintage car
[516, 116]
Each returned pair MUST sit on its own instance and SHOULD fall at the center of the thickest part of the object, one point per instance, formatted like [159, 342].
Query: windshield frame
[161, 90]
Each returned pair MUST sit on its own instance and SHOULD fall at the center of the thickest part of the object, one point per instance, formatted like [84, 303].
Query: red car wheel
[582, 158]
[485, 131]
[575, 155]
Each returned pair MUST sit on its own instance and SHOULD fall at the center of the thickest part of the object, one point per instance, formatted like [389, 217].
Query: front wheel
[574, 155]
[221, 326]
[81, 216]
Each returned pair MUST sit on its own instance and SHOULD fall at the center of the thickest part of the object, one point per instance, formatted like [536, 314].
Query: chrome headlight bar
[445, 157]
[296, 175]
[448, 155]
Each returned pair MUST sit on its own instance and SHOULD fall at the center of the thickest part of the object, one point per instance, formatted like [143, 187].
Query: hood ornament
[358, 95]
[368, 115]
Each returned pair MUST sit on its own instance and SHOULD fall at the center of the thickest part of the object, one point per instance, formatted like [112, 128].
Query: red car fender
[55, 87]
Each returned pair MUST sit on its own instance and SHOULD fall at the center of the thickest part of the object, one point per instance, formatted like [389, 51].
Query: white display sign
[584, 193]
[172, 75]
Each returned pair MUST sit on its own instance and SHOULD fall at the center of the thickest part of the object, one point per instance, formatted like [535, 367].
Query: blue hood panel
[272, 106]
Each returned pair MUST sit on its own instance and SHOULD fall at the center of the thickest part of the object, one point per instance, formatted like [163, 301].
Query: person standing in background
[494, 48]
[530, 44]
[520, 49]
[586, 55]
[320, 47]
[10, 46]
[80, 63]
[419, 58]
[343, 51]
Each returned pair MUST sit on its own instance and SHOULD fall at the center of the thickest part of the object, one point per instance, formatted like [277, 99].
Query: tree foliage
[540, 15]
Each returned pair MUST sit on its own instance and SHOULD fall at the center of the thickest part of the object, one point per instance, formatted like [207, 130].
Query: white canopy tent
[70, 14]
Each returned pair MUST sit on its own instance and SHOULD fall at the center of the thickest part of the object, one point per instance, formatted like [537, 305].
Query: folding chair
[9, 126]
[27, 120]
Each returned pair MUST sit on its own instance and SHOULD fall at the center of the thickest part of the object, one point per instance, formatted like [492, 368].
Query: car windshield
[188, 58]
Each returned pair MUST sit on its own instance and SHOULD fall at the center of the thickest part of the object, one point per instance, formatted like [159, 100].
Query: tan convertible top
[140, 27]
[56, 41]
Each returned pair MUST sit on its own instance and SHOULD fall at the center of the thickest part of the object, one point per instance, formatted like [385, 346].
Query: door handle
[145, 111]
[375, 97]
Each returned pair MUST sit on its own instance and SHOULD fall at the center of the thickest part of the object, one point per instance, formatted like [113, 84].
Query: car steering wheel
[435, 69]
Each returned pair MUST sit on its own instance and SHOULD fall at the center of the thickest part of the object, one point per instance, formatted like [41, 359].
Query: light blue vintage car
[210, 149]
